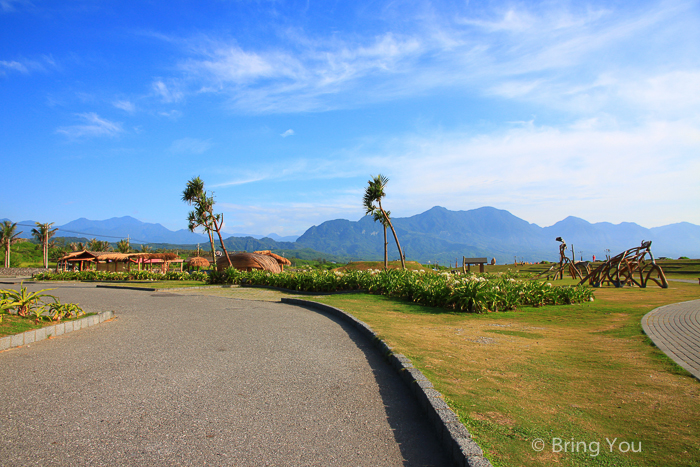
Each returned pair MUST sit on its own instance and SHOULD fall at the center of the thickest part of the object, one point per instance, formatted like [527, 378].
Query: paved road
[202, 380]
[675, 329]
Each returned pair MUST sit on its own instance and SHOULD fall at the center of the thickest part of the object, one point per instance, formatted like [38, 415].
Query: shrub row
[121, 276]
[470, 293]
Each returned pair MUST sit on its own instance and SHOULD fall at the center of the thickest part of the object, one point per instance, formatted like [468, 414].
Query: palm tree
[198, 218]
[145, 248]
[7, 238]
[43, 233]
[372, 202]
[98, 245]
[379, 217]
[77, 246]
[123, 245]
[203, 214]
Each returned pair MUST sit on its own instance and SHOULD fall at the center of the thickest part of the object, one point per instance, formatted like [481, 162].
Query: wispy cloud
[13, 65]
[190, 146]
[125, 105]
[552, 55]
[167, 93]
[283, 219]
[93, 125]
[7, 6]
[26, 66]
[289, 132]
[576, 170]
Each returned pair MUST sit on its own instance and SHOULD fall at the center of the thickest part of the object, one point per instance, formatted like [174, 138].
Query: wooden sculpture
[565, 263]
[629, 268]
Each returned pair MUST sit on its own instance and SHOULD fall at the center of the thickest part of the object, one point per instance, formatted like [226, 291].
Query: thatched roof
[198, 262]
[80, 255]
[248, 261]
[280, 259]
[112, 256]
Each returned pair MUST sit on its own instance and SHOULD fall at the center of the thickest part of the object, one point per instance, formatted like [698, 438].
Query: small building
[117, 262]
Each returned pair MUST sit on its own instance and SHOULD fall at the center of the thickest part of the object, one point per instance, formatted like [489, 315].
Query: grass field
[584, 374]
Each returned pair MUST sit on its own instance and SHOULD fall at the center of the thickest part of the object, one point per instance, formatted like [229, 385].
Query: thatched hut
[198, 262]
[281, 260]
[78, 260]
[116, 262]
[248, 262]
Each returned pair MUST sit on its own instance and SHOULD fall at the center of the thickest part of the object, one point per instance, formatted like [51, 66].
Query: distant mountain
[437, 234]
[444, 235]
[122, 227]
[274, 236]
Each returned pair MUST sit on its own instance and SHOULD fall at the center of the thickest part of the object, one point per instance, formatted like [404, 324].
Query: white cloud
[94, 126]
[7, 6]
[25, 66]
[127, 106]
[167, 93]
[544, 174]
[289, 132]
[562, 56]
[173, 114]
[283, 219]
[13, 65]
[190, 146]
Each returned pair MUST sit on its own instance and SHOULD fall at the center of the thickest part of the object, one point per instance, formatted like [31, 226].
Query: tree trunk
[386, 249]
[223, 247]
[391, 226]
[213, 250]
[46, 250]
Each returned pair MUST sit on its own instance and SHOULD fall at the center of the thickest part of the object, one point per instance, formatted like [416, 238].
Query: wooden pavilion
[117, 262]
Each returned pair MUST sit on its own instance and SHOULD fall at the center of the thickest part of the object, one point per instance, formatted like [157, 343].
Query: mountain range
[437, 235]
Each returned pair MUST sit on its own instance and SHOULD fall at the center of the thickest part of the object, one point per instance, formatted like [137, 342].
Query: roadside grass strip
[577, 385]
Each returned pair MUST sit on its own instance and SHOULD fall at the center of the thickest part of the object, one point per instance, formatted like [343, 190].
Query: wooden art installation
[565, 264]
[629, 268]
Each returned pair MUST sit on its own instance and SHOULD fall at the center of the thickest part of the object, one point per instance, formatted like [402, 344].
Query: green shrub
[460, 292]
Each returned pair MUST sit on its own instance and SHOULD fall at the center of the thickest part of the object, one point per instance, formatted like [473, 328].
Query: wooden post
[464, 264]
[481, 268]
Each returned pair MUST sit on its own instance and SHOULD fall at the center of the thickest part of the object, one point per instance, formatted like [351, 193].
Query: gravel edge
[455, 437]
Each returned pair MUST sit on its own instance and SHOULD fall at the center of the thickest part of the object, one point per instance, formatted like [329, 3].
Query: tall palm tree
[43, 233]
[7, 238]
[378, 216]
[203, 214]
[372, 202]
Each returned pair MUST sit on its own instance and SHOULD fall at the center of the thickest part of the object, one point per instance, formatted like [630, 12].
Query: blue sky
[285, 109]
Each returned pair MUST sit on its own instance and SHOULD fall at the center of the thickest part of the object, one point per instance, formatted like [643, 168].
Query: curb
[454, 436]
[36, 335]
[303, 292]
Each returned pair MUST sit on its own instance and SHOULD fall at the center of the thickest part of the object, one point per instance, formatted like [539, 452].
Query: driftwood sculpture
[565, 264]
[629, 268]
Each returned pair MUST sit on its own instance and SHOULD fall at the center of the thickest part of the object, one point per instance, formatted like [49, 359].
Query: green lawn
[582, 373]
[13, 324]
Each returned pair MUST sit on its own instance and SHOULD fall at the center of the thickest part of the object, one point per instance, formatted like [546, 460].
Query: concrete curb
[454, 436]
[302, 292]
[35, 335]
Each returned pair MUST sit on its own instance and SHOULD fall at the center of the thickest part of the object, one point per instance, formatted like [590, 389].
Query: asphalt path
[203, 380]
